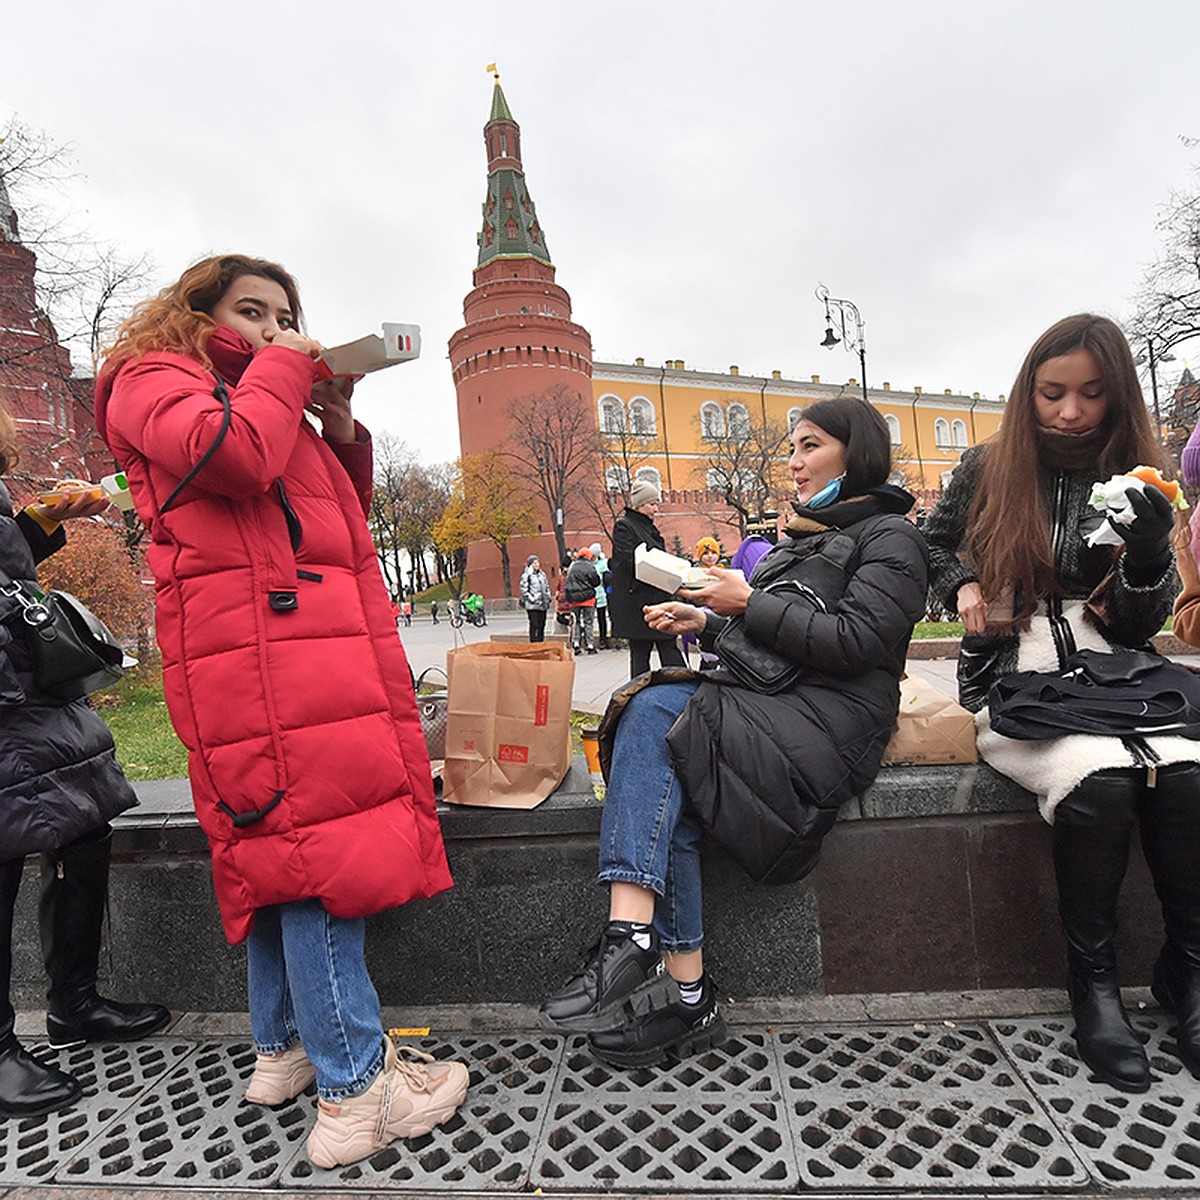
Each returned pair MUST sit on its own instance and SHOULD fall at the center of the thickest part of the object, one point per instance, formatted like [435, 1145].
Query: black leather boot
[74, 894]
[1170, 816]
[27, 1085]
[1092, 829]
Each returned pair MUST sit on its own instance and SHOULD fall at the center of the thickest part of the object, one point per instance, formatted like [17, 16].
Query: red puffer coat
[283, 673]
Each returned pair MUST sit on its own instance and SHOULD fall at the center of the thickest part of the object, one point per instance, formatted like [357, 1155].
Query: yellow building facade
[665, 420]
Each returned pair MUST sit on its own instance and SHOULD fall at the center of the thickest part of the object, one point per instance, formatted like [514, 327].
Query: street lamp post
[853, 337]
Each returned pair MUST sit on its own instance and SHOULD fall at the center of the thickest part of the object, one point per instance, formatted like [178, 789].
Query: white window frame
[617, 406]
[893, 423]
[737, 420]
[958, 434]
[642, 419]
[941, 433]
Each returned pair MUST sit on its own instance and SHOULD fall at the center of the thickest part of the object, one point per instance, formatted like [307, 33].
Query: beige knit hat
[643, 492]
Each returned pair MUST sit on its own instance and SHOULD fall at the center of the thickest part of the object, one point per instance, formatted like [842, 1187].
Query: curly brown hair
[179, 318]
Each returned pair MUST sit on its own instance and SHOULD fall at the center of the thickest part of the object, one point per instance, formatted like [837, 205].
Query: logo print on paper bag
[541, 714]
[510, 753]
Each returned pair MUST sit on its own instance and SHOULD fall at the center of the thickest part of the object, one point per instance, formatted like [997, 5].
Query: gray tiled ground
[999, 1105]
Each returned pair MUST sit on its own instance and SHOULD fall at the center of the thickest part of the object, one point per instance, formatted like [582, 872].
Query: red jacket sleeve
[171, 415]
[358, 458]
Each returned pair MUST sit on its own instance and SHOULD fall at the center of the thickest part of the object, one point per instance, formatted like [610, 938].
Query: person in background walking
[601, 563]
[406, 609]
[534, 597]
[59, 787]
[433, 610]
[579, 590]
[629, 595]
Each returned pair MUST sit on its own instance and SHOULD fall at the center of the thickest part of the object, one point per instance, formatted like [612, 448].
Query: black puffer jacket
[629, 594]
[59, 778]
[767, 774]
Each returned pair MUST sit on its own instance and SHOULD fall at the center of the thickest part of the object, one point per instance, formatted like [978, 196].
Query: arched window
[641, 417]
[616, 479]
[893, 424]
[650, 475]
[612, 415]
[958, 434]
[716, 479]
[739, 421]
[793, 419]
[941, 432]
[712, 420]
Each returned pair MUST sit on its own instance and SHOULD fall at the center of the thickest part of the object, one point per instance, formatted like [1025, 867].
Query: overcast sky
[965, 172]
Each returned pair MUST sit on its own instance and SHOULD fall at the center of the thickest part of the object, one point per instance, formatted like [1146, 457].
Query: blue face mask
[828, 494]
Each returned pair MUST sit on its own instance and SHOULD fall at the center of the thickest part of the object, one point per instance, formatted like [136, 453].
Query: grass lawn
[135, 711]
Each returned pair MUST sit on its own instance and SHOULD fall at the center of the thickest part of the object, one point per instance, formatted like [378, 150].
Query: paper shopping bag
[508, 736]
[930, 727]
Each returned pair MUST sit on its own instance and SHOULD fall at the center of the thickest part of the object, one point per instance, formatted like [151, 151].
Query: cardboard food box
[660, 569]
[399, 343]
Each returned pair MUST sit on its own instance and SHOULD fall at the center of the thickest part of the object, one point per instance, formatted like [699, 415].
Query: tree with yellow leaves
[487, 501]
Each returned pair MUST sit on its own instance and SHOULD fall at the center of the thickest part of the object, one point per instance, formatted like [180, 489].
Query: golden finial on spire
[492, 67]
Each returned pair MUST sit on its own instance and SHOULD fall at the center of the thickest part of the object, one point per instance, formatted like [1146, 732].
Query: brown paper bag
[930, 727]
[508, 737]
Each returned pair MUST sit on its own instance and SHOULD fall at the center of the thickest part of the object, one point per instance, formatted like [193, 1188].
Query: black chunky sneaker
[619, 974]
[673, 1030]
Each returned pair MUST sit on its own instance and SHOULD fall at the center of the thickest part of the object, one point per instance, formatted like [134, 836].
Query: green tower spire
[510, 224]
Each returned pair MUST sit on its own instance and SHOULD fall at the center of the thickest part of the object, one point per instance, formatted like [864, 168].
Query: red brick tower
[517, 339]
[52, 410]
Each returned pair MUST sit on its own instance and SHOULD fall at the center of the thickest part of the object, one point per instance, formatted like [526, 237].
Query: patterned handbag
[433, 708]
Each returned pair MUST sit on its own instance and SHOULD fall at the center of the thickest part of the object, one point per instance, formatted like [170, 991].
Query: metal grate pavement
[991, 1106]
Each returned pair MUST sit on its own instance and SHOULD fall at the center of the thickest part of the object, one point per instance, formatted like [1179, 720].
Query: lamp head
[831, 338]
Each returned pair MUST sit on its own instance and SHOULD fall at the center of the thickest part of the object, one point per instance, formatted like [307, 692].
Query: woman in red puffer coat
[284, 678]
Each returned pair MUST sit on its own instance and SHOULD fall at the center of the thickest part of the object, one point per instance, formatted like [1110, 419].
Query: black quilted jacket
[59, 778]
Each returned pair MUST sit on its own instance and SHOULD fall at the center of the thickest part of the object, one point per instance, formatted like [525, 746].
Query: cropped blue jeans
[307, 981]
[648, 834]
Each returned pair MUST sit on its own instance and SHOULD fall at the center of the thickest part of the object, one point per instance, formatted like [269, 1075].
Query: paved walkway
[844, 1096]
[597, 676]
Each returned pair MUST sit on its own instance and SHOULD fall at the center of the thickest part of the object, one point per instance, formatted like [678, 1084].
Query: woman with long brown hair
[285, 679]
[1010, 552]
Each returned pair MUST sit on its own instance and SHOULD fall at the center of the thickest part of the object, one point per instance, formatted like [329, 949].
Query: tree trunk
[505, 570]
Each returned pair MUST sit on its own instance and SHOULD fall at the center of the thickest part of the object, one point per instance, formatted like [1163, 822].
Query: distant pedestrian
[629, 595]
[602, 569]
[433, 610]
[406, 609]
[534, 597]
[580, 593]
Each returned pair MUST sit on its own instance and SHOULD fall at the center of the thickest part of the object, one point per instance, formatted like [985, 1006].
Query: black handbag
[1120, 694]
[817, 578]
[71, 650]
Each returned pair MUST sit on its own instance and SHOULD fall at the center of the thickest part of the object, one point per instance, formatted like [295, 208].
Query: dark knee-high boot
[1170, 816]
[1092, 830]
[27, 1085]
[74, 895]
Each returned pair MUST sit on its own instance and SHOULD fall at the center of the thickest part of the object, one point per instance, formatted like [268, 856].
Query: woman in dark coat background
[629, 595]
[59, 787]
[763, 773]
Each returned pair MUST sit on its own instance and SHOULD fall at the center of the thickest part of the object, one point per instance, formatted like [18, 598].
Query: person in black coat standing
[59, 786]
[629, 595]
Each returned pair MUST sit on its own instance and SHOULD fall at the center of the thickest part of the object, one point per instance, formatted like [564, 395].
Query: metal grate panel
[1129, 1141]
[714, 1122]
[113, 1076]
[487, 1145]
[916, 1107]
[194, 1129]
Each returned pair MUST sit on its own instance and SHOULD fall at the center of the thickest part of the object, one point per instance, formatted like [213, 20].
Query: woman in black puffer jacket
[59, 786]
[764, 773]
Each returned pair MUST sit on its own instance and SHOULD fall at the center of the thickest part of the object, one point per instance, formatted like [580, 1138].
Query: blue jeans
[648, 835]
[308, 982]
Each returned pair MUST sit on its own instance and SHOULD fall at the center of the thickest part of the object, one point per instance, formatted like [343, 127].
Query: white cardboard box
[660, 569]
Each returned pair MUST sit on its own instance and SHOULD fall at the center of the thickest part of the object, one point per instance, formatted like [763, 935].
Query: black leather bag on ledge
[1121, 694]
[72, 651]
